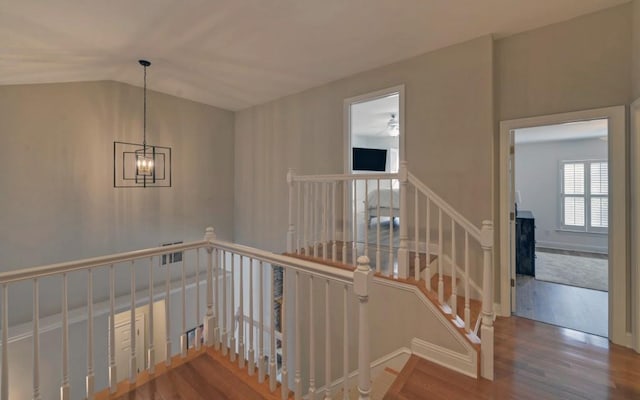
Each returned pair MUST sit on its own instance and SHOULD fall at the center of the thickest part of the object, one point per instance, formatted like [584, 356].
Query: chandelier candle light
[141, 165]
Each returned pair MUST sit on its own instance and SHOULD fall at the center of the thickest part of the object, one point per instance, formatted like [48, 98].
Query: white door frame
[634, 199]
[618, 213]
[368, 97]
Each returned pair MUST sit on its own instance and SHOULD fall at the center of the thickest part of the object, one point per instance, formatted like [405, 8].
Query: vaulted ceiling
[237, 53]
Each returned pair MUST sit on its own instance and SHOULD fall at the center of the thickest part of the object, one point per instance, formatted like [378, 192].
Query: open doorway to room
[560, 195]
[374, 146]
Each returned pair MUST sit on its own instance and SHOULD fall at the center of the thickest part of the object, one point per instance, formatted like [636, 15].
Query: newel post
[486, 350]
[403, 251]
[362, 281]
[211, 323]
[291, 229]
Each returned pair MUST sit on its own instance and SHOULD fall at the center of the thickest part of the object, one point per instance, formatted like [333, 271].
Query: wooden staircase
[475, 306]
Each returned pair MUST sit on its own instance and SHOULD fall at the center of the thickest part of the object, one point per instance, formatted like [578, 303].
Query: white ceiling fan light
[393, 126]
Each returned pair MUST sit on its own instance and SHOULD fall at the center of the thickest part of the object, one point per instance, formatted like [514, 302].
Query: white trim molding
[619, 295]
[466, 364]
[366, 97]
[634, 198]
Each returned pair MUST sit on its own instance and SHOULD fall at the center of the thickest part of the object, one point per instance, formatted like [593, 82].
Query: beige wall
[449, 110]
[574, 65]
[58, 202]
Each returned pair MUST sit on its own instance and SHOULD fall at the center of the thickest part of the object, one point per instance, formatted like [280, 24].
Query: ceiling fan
[393, 126]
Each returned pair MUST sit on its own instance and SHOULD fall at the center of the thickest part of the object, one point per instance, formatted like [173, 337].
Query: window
[585, 195]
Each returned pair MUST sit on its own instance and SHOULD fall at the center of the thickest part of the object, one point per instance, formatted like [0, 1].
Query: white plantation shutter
[574, 211]
[584, 197]
[573, 190]
[599, 190]
[599, 178]
[574, 178]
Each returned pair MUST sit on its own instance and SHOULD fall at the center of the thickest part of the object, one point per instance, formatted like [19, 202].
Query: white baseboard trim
[377, 366]
[466, 364]
[572, 246]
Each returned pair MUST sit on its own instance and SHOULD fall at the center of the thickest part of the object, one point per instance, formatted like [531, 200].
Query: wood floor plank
[532, 361]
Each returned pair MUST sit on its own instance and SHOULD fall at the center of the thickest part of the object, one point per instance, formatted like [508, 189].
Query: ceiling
[597, 128]
[371, 118]
[237, 53]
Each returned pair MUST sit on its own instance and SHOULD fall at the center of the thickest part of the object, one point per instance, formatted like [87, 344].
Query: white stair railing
[330, 217]
[223, 260]
[441, 239]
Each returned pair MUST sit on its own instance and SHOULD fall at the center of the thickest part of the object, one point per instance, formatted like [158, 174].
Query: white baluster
[167, 314]
[5, 344]
[440, 259]
[90, 379]
[196, 343]
[486, 350]
[241, 353]
[211, 321]
[354, 245]
[454, 284]
[183, 298]
[362, 281]
[132, 334]
[299, 223]
[334, 217]
[36, 340]
[378, 231]
[312, 344]
[261, 369]
[314, 213]
[151, 353]
[307, 207]
[65, 388]
[272, 333]
[284, 384]
[297, 380]
[291, 230]
[345, 344]
[366, 222]
[232, 318]
[327, 342]
[324, 220]
[467, 309]
[213, 309]
[403, 250]
[225, 326]
[113, 376]
[345, 206]
[252, 354]
[390, 271]
[427, 272]
[416, 239]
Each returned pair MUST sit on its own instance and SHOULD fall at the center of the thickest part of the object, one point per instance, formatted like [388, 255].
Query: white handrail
[296, 264]
[473, 230]
[56, 269]
[343, 177]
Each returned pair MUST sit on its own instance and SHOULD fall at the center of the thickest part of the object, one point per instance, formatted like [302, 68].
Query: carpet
[586, 272]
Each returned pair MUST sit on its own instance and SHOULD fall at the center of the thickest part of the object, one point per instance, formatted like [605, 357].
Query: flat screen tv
[369, 159]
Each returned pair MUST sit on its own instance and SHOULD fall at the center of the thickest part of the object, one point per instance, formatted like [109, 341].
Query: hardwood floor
[533, 360]
[204, 376]
[573, 307]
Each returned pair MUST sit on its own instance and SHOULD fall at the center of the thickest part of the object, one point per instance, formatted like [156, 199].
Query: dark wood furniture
[525, 243]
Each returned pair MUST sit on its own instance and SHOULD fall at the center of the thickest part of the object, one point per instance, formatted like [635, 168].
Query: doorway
[559, 238]
[374, 126]
[618, 238]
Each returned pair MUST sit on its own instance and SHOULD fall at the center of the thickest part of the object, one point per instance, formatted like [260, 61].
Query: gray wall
[449, 110]
[58, 202]
[537, 167]
[574, 65]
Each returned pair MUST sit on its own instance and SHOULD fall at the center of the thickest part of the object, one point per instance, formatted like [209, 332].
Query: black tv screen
[369, 159]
